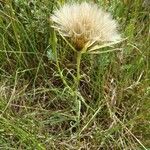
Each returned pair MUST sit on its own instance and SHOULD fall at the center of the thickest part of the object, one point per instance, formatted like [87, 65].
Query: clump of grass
[36, 107]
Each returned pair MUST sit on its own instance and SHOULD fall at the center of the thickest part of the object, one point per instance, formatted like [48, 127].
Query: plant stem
[79, 55]
[77, 82]
[54, 43]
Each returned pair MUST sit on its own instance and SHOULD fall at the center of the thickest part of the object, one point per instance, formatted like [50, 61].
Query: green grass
[37, 108]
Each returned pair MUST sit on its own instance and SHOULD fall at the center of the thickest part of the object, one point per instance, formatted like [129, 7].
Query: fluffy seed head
[85, 22]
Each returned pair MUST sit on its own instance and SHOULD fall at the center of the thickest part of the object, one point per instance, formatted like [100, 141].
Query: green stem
[79, 55]
[78, 102]
[54, 43]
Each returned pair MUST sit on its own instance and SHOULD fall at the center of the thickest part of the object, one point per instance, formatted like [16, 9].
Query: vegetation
[38, 109]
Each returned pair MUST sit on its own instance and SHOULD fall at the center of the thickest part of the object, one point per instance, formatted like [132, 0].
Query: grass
[37, 108]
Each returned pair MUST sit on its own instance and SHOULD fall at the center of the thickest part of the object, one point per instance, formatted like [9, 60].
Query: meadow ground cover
[37, 101]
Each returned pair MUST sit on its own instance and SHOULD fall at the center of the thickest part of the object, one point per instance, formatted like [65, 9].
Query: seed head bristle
[85, 22]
